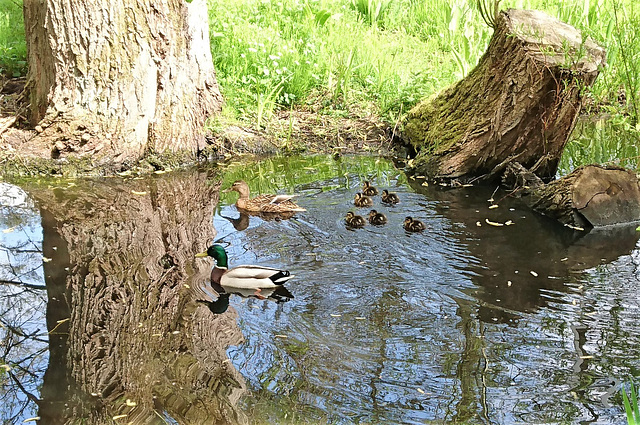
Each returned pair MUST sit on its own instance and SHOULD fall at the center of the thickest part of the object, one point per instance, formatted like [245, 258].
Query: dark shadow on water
[522, 264]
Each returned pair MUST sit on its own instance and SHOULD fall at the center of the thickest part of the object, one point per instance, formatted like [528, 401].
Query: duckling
[255, 278]
[411, 225]
[369, 190]
[389, 197]
[362, 200]
[377, 218]
[354, 220]
[263, 203]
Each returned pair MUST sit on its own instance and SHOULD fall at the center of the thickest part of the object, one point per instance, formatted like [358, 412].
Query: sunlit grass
[604, 141]
[13, 51]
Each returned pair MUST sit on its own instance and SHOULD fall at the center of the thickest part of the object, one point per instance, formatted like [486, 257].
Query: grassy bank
[378, 57]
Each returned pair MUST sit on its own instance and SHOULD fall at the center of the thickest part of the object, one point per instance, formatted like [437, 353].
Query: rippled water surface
[467, 322]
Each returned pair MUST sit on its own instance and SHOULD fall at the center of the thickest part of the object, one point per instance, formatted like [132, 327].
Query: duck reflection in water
[242, 222]
[219, 305]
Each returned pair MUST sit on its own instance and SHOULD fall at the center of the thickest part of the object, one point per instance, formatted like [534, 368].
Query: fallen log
[591, 196]
[519, 104]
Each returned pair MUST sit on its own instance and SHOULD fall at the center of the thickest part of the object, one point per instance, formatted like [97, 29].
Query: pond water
[466, 322]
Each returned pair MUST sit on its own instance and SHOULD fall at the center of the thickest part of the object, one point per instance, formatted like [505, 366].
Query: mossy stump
[519, 104]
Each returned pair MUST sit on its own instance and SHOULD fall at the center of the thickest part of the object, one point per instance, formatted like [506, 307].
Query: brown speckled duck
[263, 203]
[354, 220]
[361, 200]
[369, 190]
[377, 218]
[412, 225]
[389, 197]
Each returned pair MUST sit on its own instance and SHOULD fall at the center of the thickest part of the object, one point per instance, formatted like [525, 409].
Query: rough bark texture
[519, 104]
[114, 80]
[591, 196]
[130, 338]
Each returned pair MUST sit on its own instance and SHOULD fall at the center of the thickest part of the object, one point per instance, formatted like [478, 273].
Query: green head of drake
[218, 253]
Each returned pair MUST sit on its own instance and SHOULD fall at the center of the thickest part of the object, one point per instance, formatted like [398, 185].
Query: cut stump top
[553, 41]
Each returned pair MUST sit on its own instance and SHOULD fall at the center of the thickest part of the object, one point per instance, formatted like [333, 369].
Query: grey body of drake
[243, 277]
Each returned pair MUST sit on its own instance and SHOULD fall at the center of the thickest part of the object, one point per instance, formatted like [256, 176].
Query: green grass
[13, 50]
[631, 405]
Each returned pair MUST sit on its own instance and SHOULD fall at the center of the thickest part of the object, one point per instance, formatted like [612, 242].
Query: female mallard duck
[369, 190]
[362, 200]
[243, 277]
[377, 218]
[354, 220]
[411, 225]
[263, 203]
[389, 197]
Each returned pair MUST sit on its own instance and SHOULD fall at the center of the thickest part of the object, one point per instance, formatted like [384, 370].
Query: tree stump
[591, 196]
[519, 104]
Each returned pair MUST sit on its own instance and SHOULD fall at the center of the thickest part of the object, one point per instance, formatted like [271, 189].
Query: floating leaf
[35, 418]
[46, 259]
[534, 274]
[336, 315]
[493, 223]
[280, 336]
[494, 206]
[420, 390]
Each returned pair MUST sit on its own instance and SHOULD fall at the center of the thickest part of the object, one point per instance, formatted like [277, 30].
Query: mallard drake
[263, 203]
[354, 220]
[389, 197]
[369, 190]
[377, 218]
[243, 277]
[362, 200]
[411, 225]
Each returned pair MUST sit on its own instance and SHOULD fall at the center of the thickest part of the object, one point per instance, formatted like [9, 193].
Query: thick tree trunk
[114, 80]
[519, 104]
[131, 339]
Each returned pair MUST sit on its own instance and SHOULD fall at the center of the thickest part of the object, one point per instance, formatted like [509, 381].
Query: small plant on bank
[631, 405]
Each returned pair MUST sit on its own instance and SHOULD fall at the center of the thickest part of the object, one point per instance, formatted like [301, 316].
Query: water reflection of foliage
[285, 173]
[23, 334]
[601, 142]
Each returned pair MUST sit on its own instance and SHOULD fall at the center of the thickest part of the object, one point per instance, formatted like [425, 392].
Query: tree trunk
[114, 80]
[129, 337]
[591, 196]
[519, 104]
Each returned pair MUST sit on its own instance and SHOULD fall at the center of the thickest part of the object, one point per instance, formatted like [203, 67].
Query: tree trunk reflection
[122, 271]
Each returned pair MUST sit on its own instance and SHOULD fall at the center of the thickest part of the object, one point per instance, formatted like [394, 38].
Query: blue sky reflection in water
[467, 322]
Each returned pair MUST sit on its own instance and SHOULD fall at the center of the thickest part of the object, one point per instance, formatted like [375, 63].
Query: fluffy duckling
[377, 218]
[263, 203]
[389, 197]
[354, 220]
[411, 225]
[369, 190]
[362, 200]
